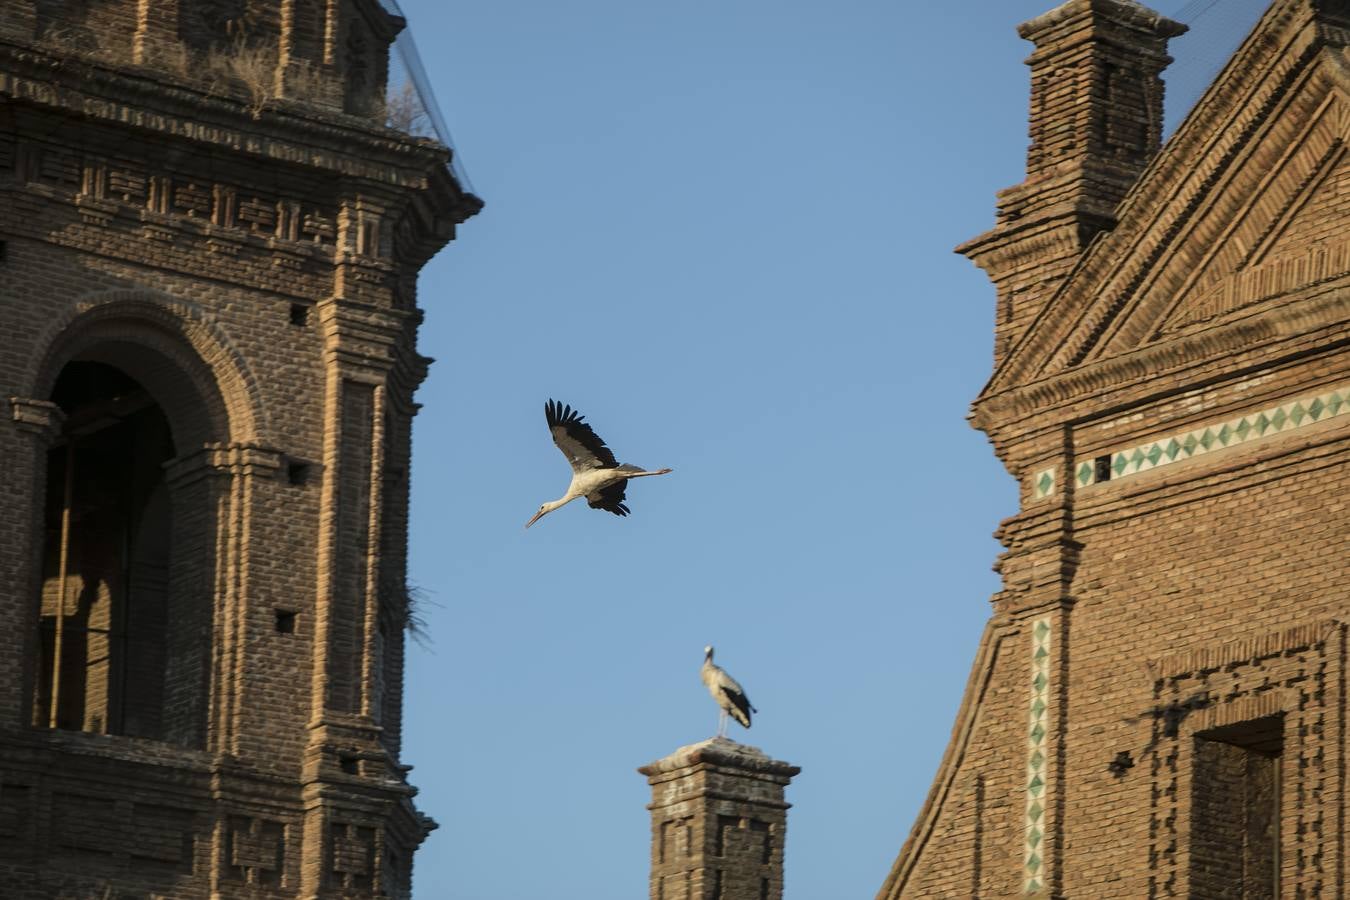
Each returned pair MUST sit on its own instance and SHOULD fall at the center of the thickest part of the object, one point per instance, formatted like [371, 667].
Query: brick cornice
[1007, 246]
[39, 417]
[1104, 508]
[225, 460]
[720, 753]
[363, 339]
[283, 132]
[1263, 338]
[1125, 12]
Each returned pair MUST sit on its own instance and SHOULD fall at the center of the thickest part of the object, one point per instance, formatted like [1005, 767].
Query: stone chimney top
[1125, 11]
[1095, 124]
[719, 752]
[719, 822]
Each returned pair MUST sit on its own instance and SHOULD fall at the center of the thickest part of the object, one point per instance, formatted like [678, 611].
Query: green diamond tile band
[1299, 412]
[1033, 862]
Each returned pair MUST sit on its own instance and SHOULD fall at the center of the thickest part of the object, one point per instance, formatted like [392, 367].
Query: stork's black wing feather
[576, 439]
[609, 499]
[741, 702]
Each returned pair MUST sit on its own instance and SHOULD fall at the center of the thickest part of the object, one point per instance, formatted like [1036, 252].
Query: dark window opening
[300, 314]
[1102, 465]
[285, 621]
[104, 621]
[297, 473]
[1235, 820]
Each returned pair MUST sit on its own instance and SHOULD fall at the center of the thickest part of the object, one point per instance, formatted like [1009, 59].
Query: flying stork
[730, 696]
[596, 474]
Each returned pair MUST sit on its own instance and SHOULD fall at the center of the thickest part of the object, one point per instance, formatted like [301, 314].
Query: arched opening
[108, 636]
[135, 543]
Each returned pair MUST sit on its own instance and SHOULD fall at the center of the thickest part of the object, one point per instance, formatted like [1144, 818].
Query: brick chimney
[718, 823]
[1096, 122]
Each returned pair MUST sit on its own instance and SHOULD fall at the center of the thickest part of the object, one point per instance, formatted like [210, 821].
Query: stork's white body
[591, 481]
[727, 692]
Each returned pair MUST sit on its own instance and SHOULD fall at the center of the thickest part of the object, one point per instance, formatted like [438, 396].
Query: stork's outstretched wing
[609, 498]
[578, 442]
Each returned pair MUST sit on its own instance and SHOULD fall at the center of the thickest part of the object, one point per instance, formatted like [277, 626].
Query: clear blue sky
[723, 232]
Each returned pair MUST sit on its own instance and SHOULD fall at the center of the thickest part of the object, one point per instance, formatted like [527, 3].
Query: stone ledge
[723, 753]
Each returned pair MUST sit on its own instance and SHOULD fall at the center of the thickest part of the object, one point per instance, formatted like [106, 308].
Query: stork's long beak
[534, 518]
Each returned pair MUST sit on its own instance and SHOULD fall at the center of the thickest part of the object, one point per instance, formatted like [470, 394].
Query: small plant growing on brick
[246, 66]
[403, 110]
[72, 40]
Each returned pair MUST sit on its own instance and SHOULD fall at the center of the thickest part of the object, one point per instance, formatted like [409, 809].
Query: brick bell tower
[212, 217]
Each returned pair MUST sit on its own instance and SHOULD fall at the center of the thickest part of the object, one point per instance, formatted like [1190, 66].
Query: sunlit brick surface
[1170, 392]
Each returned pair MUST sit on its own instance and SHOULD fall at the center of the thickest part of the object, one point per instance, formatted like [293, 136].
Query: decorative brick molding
[1307, 320]
[1301, 412]
[1298, 674]
[209, 363]
[255, 851]
[1291, 415]
[38, 416]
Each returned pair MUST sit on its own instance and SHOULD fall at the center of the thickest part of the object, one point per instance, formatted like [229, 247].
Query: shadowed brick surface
[208, 291]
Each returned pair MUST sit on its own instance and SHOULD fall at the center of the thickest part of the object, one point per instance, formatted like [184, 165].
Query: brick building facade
[1157, 707]
[209, 244]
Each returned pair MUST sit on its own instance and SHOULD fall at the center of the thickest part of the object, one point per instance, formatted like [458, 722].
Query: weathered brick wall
[1158, 708]
[1243, 545]
[1186, 580]
[250, 264]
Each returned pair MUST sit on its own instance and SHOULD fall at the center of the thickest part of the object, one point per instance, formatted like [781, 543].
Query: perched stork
[596, 474]
[729, 695]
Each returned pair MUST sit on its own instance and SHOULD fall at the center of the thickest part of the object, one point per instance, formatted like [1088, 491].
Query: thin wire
[411, 62]
[1188, 14]
[1206, 49]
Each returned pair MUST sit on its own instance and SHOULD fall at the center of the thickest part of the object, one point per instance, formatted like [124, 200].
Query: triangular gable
[1257, 236]
[1237, 207]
